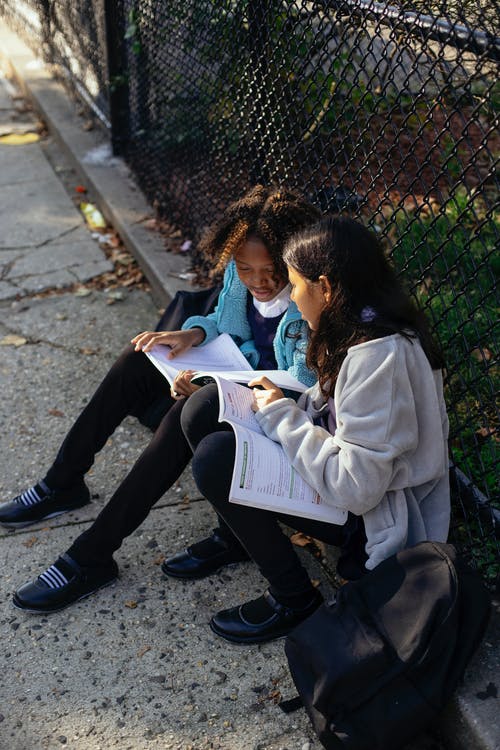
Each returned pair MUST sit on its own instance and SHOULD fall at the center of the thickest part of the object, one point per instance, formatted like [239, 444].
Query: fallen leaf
[143, 650]
[82, 292]
[56, 412]
[12, 340]
[131, 604]
[121, 257]
[300, 539]
[88, 351]
[133, 279]
[30, 542]
[18, 139]
[159, 559]
[80, 189]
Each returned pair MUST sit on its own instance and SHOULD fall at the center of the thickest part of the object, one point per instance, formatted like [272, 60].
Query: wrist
[198, 335]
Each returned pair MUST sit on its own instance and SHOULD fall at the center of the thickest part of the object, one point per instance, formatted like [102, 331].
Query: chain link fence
[388, 111]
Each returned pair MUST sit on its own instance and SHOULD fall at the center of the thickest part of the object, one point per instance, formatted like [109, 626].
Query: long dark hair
[368, 300]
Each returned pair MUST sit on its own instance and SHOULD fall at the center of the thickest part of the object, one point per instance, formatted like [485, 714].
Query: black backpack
[375, 667]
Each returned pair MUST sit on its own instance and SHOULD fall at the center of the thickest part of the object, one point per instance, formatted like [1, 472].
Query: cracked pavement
[134, 666]
[44, 242]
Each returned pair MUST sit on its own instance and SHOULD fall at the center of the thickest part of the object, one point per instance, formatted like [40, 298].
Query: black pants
[259, 531]
[132, 386]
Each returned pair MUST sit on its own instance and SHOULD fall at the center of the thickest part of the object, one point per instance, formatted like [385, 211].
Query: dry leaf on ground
[12, 340]
[30, 542]
[300, 539]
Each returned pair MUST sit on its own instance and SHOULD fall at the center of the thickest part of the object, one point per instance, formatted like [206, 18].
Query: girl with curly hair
[254, 308]
[370, 437]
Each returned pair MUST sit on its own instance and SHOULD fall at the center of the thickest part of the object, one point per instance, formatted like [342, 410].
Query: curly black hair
[270, 214]
[368, 300]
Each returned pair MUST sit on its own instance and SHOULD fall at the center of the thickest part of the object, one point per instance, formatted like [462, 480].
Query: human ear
[326, 288]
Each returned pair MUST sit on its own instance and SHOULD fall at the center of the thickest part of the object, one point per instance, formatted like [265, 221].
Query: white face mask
[275, 306]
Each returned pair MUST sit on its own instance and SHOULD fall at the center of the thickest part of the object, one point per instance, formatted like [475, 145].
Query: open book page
[219, 355]
[263, 476]
[235, 404]
[281, 378]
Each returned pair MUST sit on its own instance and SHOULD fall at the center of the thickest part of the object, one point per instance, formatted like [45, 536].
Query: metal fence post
[45, 11]
[118, 88]
[258, 30]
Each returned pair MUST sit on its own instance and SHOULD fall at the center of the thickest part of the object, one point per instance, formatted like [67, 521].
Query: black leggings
[132, 386]
[258, 531]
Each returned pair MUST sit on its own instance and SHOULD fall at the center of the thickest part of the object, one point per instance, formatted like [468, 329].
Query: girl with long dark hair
[370, 437]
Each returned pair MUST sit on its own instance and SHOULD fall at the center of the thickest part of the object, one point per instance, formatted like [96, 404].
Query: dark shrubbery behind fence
[387, 111]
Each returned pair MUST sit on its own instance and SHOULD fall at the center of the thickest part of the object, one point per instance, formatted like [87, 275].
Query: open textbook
[222, 357]
[263, 476]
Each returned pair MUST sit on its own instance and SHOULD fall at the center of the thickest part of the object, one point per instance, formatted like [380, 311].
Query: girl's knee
[212, 466]
[200, 414]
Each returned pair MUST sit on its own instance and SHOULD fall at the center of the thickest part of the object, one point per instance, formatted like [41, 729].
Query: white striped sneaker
[63, 583]
[39, 502]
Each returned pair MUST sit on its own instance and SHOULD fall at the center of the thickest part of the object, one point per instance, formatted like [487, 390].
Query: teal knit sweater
[230, 316]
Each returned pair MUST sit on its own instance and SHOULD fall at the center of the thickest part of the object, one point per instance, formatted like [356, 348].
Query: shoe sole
[243, 641]
[23, 524]
[17, 605]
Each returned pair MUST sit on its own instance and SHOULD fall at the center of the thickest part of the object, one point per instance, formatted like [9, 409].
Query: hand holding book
[183, 385]
[263, 476]
[220, 356]
[177, 341]
[265, 392]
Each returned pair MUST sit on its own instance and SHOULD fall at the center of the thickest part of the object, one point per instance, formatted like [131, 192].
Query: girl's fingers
[182, 383]
[176, 348]
[140, 341]
[263, 381]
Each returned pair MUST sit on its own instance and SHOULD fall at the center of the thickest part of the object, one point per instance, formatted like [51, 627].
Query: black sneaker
[39, 503]
[62, 584]
[204, 558]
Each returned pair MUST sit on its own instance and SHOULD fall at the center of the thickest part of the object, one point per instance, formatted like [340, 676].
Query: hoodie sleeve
[376, 423]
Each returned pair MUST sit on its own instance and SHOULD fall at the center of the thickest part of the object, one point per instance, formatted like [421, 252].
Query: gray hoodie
[387, 460]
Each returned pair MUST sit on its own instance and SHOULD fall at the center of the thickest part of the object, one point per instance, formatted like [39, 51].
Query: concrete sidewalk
[134, 666]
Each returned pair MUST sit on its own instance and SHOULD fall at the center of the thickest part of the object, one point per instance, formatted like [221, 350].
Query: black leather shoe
[203, 559]
[16, 514]
[45, 594]
[232, 625]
